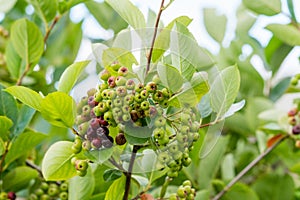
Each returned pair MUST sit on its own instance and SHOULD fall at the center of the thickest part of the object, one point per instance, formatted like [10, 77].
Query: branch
[248, 168]
[4, 156]
[33, 166]
[48, 31]
[19, 82]
[129, 172]
[154, 35]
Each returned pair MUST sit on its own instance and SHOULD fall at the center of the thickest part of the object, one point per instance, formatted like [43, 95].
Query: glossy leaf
[111, 174]
[45, 9]
[192, 92]
[282, 187]
[8, 105]
[170, 77]
[235, 108]
[27, 40]
[130, 13]
[14, 62]
[186, 54]
[224, 90]
[215, 24]
[57, 164]
[27, 96]
[59, 109]
[24, 117]
[70, 76]
[116, 190]
[100, 156]
[5, 124]
[288, 34]
[97, 49]
[81, 188]
[276, 51]
[240, 191]
[291, 9]
[278, 90]
[19, 178]
[265, 7]
[22, 144]
[105, 15]
[162, 41]
[123, 56]
[6, 5]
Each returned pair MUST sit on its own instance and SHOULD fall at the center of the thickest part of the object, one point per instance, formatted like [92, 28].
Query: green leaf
[106, 16]
[192, 92]
[276, 51]
[27, 40]
[81, 188]
[100, 156]
[45, 9]
[24, 117]
[135, 140]
[245, 21]
[287, 33]
[123, 39]
[170, 77]
[27, 96]
[111, 174]
[116, 190]
[6, 5]
[187, 56]
[215, 24]
[282, 187]
[14, 62]
[162, 41]
[70, 76]
[291, 9]
[2, 146]
[5, 124]
[265, 7]
[130, 13]
[210, 163]
[202, 195]
[18, 178]
[59, 109]
[240, 191]
[22, 144]
[8, 105]
[224, 90]
[227, 167]
[57, 164]
[279, 89]
[124, 57]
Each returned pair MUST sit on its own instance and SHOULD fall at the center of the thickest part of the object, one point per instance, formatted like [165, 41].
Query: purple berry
[296, 129]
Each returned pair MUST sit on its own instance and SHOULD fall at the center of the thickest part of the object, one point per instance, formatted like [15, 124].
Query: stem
[19, 82]
[3, 157]
[248, 168]
[33, 166]
[154, 35]
[129, 172]
[51, 27]
[164, 187]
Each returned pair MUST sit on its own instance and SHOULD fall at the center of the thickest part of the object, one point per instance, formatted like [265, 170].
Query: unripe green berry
[139, 87]
[64, 187]
[52, 191]
[166, 93]
[144, 94]
[188, 189]
[164, 141]
[45, 197]
[117, 102]
[108, 116]
[151, 87]
[181, 192]
[39, 192]
[160, 121]
[187, 161]
[33, 197]
[128, 99]
[120, 81]
[163, 157]
[81, 173]
[121, 91]
[294, 81]
[156, 79]
[77, 146]
[130, 84]
[91, 92]
[177, 155]
[81, 165]
[44, 186]
[126, 117]
[173, 197]
[173, 148]
[63, 195]
[105, 74]
[138, 98]
[158, 96]
[158, 133]
[190, 197]
[187, 183]
[172, 174]
[145, 105]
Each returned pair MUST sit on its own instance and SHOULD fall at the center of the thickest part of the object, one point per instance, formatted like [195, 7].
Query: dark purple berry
[102, 132]
[120, 139]
[296, 129]
[107, 143]
[96, 143]
[11, 195]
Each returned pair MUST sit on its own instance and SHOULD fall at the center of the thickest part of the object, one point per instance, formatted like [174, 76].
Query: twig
[129, 172]
[4, 156]
[154, 35]
[19, 82]
[117, 165]
[33, 166]
[51, 27]
[248, 168]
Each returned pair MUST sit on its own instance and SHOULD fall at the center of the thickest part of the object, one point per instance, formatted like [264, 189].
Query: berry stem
[129, 172]
[249, 167]
[149, 56]
[164, 187]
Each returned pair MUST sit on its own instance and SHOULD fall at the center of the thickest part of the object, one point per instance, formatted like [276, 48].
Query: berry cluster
[184, 192]
[8, 196]
[50, 191]
[294, 120]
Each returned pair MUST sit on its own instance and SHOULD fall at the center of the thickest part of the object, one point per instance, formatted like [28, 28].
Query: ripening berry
[105, 74]
[86, 145]
[96, 143]
[120, 139]
[296, 129]
[158, 96]
[130, 84]
[81, 165]
[151, 87]
[107, 143]
[297, 144]
[11, 195]
[123, 71]
[111, 81]
[292, 112]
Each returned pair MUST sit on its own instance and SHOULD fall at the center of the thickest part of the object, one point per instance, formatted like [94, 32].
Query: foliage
[194, 122]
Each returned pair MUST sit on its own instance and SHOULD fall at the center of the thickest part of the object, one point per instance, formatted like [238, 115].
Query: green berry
[144, 94]
[64, 187]
[33, 197]
[105, 74]
[294, 81]
[164, 141]
[145, 105]
[166, 92]
[130, 84]
[81, 165]
[163, 157]
[139, 87]
[158, 133]
[44, 186]
[173, 197]
[120, 81]
[108, 116]
[77, 146]
[160, 121]
[121, 91]
[173, 148]
[3, 196]
[187, 183]
[81, 173]
[86, 145]
[187, 161]
[138, 98]
[172, 174]
[158, 96]
[164, 103]
[177, 155]
[63, 195]
[45, 197]
[53, 191]
[128, 99]
[39, 192]
[126, 117]
[190, 197]
[156, 79]
[117, 102]
[117, 112]
[181, 192]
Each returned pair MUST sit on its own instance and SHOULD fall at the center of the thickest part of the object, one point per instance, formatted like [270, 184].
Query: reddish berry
[296, 129]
